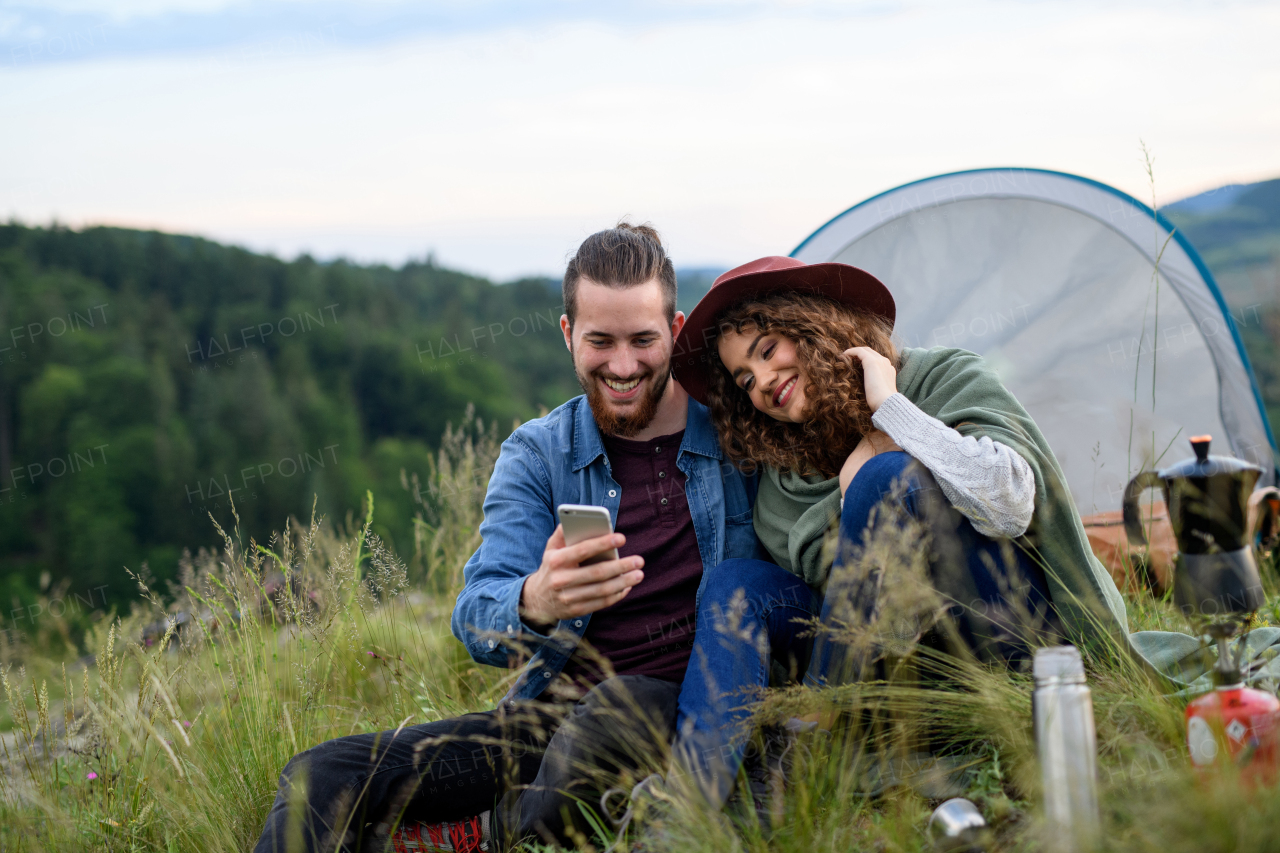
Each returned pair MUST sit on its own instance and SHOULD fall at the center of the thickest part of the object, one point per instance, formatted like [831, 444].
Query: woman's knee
[882, 472]
[894, 477]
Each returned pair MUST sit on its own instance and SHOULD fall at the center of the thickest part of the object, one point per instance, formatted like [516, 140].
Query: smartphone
[582, 522]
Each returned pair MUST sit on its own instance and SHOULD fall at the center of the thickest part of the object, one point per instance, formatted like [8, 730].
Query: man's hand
[561, 588]
[879, 376]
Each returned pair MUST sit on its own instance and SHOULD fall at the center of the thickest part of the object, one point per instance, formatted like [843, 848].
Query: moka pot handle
[1264, 517]
[1132, 516]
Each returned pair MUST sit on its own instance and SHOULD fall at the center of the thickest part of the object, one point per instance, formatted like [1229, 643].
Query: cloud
[77, 30]
[736, 128]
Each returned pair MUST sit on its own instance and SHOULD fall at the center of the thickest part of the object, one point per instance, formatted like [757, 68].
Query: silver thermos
[1068, 750]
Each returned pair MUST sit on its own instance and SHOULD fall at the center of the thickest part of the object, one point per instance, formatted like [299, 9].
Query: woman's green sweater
[793, 512]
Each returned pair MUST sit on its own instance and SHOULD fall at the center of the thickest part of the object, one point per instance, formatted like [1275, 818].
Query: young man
[610, 641]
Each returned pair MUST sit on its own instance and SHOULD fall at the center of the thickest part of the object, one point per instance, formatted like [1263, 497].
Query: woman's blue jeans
[753, 613]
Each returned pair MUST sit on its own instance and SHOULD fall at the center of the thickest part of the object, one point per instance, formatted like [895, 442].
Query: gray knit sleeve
[987, 482]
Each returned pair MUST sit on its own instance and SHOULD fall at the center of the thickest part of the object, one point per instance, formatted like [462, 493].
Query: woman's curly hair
[836, 410]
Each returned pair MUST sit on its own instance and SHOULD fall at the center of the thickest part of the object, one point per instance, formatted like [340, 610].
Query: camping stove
[1233, 723]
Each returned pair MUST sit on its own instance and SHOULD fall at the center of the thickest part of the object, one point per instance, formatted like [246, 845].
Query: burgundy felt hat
[841, 282]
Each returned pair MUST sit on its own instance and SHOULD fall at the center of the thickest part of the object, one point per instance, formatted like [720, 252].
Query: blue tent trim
[1157, 216]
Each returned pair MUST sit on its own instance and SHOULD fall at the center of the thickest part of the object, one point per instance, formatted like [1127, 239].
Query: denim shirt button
[613, 493]
[546, 674]
[577, 623]
[493, 643]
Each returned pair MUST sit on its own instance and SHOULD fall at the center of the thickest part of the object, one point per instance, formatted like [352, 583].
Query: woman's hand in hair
[879, 376]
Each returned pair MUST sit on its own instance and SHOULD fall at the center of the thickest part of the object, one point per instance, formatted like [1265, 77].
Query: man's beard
[623, 426]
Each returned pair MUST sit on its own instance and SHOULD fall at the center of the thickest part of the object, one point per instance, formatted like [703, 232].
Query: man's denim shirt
[560, 459]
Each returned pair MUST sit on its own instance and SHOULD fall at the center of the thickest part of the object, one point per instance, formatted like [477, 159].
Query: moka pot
[1207, 497]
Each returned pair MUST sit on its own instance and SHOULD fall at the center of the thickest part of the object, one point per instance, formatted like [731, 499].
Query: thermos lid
[1204, 465]
[1058, 663]
[956, 825]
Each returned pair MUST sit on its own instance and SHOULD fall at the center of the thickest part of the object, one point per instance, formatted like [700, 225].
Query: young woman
[804, 384]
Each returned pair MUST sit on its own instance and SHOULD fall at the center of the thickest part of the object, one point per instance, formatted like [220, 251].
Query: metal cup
[956, 826]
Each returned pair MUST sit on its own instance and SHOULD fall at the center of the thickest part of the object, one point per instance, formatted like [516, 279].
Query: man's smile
[622, 390]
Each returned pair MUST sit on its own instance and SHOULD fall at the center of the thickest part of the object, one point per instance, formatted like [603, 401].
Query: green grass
[177, 745]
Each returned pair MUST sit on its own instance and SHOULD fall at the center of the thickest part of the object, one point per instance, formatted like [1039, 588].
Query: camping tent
[1052, 278]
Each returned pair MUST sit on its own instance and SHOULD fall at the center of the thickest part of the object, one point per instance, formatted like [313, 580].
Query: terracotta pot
[1135, 566]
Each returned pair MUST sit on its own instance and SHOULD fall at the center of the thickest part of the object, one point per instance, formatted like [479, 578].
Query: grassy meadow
[142, 737]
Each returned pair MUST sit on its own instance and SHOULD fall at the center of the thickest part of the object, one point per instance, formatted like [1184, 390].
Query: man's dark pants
[531, 763]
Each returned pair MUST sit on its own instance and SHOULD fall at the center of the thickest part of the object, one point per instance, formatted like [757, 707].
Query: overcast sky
[498, 134]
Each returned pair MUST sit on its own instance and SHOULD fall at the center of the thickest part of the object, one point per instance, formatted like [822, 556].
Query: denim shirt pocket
[739, 536]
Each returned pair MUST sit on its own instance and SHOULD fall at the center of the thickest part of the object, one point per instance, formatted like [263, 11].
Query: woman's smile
[783, 394]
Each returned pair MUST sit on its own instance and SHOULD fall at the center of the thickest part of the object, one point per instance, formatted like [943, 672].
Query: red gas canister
[1239, 724]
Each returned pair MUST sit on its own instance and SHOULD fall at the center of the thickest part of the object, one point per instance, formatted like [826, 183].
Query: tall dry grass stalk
[447, 523]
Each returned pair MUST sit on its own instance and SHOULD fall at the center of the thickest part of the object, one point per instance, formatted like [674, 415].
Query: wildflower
[91, 775]
[186, 724]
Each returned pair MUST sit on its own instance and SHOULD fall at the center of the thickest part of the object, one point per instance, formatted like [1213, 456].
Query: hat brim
[845, 284]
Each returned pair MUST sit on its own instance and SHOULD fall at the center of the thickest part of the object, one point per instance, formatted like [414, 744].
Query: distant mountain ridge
[1234, 227]
[1209, 201]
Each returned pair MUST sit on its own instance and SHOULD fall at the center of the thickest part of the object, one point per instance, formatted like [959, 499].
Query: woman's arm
[984, 480]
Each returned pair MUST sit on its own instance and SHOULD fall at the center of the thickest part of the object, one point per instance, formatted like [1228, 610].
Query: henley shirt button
[657, 450]
[661, 474]
[664, 501]
[613, 493]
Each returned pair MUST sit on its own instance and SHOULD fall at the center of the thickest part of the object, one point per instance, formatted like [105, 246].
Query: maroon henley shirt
[650, 631]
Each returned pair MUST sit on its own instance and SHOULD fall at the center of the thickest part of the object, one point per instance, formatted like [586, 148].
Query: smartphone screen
[582, 522]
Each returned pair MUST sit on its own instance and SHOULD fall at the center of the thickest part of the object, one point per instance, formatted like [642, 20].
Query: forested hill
[144, 377]
[147, 378]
